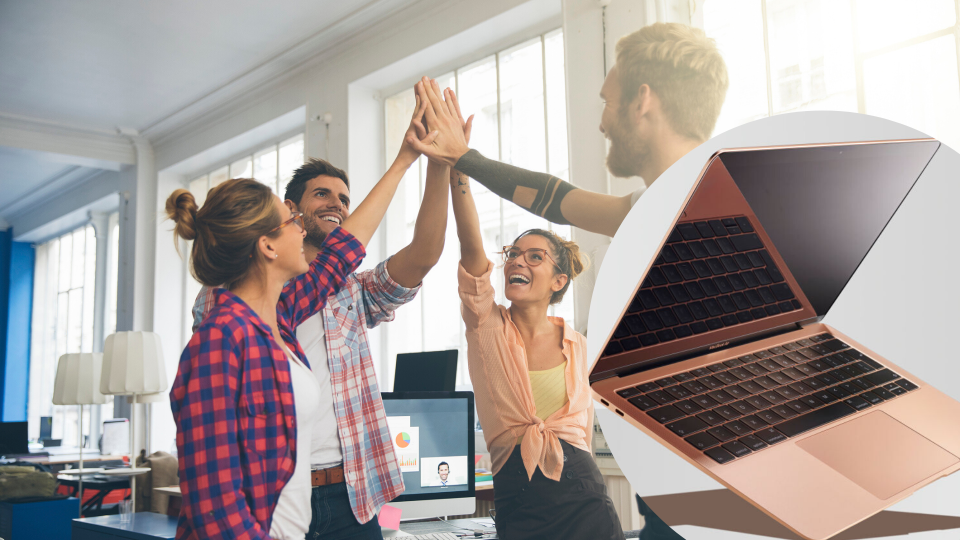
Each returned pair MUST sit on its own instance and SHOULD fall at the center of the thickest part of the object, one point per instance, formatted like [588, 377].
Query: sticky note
[390, 517]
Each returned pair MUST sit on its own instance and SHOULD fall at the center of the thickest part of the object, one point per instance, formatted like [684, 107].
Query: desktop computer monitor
[46, 427]
[13, 438]
[432, 436]
[431, 371]
[115, 439]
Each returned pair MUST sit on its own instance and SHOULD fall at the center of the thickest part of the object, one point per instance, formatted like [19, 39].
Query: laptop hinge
[648, 365]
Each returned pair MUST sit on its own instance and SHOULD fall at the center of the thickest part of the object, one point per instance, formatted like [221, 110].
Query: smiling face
[532, 284]
[325, 204]
[444, 472]
[288, 244]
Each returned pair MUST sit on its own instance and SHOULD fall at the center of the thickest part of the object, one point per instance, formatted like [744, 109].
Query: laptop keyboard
[710, 275]
[733, 408]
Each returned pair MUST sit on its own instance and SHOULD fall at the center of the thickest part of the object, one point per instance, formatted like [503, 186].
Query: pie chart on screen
[403, 439]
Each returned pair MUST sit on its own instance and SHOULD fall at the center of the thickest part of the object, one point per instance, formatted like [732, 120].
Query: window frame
[99, 307]
[859, 58]
[385, 363]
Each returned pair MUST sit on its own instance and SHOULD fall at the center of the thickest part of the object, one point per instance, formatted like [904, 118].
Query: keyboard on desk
[733, 408]
[435, 536]
[710, 275]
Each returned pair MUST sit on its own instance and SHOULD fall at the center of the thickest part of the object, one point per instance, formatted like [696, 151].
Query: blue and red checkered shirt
[366, 299]
[232, 401]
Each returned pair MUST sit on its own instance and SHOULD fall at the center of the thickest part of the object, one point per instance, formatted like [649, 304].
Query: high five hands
[447, 141]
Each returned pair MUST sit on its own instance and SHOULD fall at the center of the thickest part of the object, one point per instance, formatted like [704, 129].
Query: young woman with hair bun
[243, 379]
[529, 374]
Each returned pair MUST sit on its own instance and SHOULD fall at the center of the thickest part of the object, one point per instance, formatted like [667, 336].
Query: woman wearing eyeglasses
[244, 389]
[529, 374]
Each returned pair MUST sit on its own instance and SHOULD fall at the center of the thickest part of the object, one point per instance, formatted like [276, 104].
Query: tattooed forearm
[462, 184]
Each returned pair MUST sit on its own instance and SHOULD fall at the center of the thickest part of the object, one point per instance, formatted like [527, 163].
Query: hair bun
[182, 209]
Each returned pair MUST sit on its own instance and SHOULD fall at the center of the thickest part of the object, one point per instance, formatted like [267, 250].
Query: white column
[139, 215]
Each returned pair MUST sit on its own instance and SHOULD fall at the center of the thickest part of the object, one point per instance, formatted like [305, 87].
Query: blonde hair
[570, 259]
[226, 230]
[685, 69]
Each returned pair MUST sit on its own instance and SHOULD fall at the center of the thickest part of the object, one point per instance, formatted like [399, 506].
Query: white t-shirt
[325, 447]
[291, 519]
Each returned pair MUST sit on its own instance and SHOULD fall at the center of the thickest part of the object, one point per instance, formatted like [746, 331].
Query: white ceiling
[108, 63]
[99, 65]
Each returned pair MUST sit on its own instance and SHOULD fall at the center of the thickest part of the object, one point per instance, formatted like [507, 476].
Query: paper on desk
[390, 517]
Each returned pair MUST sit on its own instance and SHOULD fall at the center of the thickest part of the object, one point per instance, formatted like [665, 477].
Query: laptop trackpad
[879, 453]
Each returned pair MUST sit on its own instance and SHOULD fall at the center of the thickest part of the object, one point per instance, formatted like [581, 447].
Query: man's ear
[291, 205]
[642, 103]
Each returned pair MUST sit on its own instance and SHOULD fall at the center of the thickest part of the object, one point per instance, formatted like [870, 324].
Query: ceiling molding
[270, 76]
[68, 180]
[45, 136]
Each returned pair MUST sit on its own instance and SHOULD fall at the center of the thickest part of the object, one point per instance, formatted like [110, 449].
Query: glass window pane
[113, 258]
[199, 189]
[66, 252]
[265, 166]
[77, 266]
[89, 288]
[559, 165]
[74, 320]
[219, 176]
[522, 129]
[63, 315]
[478, 96]
[885, 22]
[927, 73]
[242, 168]
[737, 26]
[440, 298]
[811, 55]
[291, 158]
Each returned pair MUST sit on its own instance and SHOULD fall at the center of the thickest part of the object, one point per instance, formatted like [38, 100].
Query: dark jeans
[575, 508]
[333, 518]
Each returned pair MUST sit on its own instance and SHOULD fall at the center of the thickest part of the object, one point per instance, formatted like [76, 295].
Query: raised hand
[445, 119]
[416, 131]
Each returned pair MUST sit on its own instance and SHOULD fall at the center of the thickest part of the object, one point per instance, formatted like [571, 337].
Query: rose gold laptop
[721, 355]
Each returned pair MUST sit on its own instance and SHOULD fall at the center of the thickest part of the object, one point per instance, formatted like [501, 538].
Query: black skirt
[577, 507]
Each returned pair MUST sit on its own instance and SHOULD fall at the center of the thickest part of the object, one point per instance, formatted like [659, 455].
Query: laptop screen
[824, 207]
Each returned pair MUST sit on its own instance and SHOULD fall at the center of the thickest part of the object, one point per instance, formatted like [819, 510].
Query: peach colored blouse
[501, 384]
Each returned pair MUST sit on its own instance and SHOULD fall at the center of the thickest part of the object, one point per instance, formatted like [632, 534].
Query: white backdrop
[883, 306]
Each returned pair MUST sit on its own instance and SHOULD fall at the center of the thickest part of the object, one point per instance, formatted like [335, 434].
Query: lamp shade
[78, 380]
[132, 364]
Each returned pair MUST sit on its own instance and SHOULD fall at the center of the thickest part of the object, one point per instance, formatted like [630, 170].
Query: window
[64, 300]
[518, 99]
[273, 166]
[878, 58]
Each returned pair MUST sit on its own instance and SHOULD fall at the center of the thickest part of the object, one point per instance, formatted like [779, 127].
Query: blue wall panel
[16, 297]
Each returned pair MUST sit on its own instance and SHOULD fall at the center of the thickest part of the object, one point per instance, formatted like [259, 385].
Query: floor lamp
[78, 383]
[133, 366]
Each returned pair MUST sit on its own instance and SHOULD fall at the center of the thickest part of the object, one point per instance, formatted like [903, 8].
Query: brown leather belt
[324, 477]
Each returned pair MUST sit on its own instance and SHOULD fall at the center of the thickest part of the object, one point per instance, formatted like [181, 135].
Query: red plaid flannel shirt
[232, 401]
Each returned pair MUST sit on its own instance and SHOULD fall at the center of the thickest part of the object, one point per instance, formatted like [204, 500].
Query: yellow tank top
[549, 388]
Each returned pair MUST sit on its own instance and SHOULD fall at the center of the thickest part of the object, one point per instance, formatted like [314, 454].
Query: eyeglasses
[297, 218]
[533, 256]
